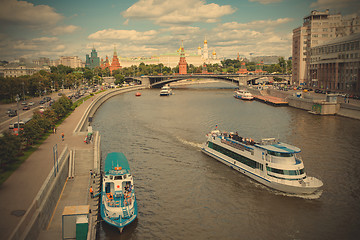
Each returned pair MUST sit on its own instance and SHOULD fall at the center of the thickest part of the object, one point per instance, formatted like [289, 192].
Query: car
[59, 94]
[26, 108]
[8, 111]
[42, 102]
[31, 104]
[23, 103]
[13, 113]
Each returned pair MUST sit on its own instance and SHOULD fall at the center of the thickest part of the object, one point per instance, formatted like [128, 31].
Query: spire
[115, 54]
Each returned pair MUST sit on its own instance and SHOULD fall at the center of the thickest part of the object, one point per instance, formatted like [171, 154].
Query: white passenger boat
[166, 90]
[270, 162]
[118, 203]
[243, 94]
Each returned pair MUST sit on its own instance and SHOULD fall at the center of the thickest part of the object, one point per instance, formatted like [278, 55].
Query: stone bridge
[236, 79]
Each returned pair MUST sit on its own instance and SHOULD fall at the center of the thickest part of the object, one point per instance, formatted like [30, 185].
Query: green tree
[119, 78]
[9, 149]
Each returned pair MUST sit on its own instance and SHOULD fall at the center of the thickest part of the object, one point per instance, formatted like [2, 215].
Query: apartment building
[318, 28]
[335, 66]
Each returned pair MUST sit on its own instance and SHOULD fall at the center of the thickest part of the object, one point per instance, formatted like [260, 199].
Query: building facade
[21, 69]
[335, 66]
[93, 60]
[318, 28]
[71, 61]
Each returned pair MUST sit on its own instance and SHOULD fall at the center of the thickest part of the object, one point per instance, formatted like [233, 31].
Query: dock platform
[275, 101]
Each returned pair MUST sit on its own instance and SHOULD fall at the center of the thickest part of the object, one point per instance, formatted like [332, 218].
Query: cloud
[25, 13]
[131, 35]
[64, 29]
[170, 12]
[260, 24]
[45, 39]
[266, 1]
[335, 4]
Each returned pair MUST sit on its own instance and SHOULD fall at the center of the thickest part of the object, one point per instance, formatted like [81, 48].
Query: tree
[9, 148]
[119, 79]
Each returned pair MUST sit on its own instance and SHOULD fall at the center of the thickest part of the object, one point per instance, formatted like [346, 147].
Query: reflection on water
[184, 194]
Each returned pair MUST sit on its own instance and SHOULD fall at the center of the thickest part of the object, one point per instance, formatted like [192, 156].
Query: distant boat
[243, 94]
[138, 94]
[165, 90]
[270, 162]
[118, 203]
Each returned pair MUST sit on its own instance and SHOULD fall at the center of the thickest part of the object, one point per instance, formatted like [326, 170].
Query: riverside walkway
[19, 192]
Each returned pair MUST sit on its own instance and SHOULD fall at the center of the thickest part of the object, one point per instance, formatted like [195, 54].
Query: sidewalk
[20, 189]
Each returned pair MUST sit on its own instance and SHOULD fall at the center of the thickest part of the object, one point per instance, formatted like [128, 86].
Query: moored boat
[165, 90]
[138, 94]
[118, 202]
[243, 94]
[270, 162]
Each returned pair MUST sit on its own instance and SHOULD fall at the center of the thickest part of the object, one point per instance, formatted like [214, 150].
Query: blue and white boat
[270, 162]
[118, 202]
[243, 94]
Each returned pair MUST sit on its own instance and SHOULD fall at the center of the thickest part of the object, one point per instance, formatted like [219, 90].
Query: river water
[185, 194]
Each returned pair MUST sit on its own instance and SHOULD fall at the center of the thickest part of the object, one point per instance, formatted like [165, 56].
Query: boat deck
[271, 100]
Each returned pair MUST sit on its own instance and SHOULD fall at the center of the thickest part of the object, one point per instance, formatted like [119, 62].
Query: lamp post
[17, 104]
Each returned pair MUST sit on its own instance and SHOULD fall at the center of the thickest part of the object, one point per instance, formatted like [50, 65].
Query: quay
[275, 101]
[36, 196]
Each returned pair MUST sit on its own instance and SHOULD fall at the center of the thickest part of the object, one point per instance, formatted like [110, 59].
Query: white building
[70, 61]
[21, 69]
[318, 28]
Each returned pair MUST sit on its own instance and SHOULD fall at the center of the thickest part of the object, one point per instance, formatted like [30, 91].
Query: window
[235, 156]
[279, 154]
[285, 172]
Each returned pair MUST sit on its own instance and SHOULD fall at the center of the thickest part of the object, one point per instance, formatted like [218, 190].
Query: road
[5, 120]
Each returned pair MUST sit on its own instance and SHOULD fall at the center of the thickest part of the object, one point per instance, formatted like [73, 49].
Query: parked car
[8, 111]
[42, 102]
[23, 103]
[26, 108]
[31, 104]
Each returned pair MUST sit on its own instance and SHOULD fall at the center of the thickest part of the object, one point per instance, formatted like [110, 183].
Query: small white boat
[118, 203]
[270, 162]
[165, 90]
[243, 94]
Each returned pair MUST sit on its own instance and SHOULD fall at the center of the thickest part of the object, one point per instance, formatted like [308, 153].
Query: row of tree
[12, 146]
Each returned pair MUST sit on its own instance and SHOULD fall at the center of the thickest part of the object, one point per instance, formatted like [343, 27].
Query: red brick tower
[115, 64]
[182, 62]
[242, 69]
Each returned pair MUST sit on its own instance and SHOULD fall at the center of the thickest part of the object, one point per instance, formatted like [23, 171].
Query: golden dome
[205, 41]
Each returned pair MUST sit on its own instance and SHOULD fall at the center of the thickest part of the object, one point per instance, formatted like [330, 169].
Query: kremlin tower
[115, 64]
[182, 62]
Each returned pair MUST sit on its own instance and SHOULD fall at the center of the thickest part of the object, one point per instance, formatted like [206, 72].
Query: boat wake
[192, 144]
[315, 195]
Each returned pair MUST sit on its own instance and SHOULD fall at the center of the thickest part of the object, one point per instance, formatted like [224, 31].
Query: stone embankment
[314, 103]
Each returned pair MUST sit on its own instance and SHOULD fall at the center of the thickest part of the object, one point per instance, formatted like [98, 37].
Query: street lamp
[17, 104]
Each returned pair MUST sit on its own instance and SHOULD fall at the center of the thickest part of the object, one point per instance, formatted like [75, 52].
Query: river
[185, 194]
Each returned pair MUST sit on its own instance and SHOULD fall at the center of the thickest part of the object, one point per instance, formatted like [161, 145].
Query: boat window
[285, 172]
[118, 178]
[279, 154]
[244, 160]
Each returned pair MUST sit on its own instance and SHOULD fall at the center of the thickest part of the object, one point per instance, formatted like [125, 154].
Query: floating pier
[275, 101]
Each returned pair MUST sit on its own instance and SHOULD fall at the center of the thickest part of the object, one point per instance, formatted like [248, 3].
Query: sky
[54, 28]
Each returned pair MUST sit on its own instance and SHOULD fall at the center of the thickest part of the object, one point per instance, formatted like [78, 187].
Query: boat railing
[236, 145]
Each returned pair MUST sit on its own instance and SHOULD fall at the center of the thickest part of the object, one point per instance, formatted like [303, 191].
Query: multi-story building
[335, 65]
[42, 61]
[20, 69]
[92, 61]
[71, 61]
[318, 28]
